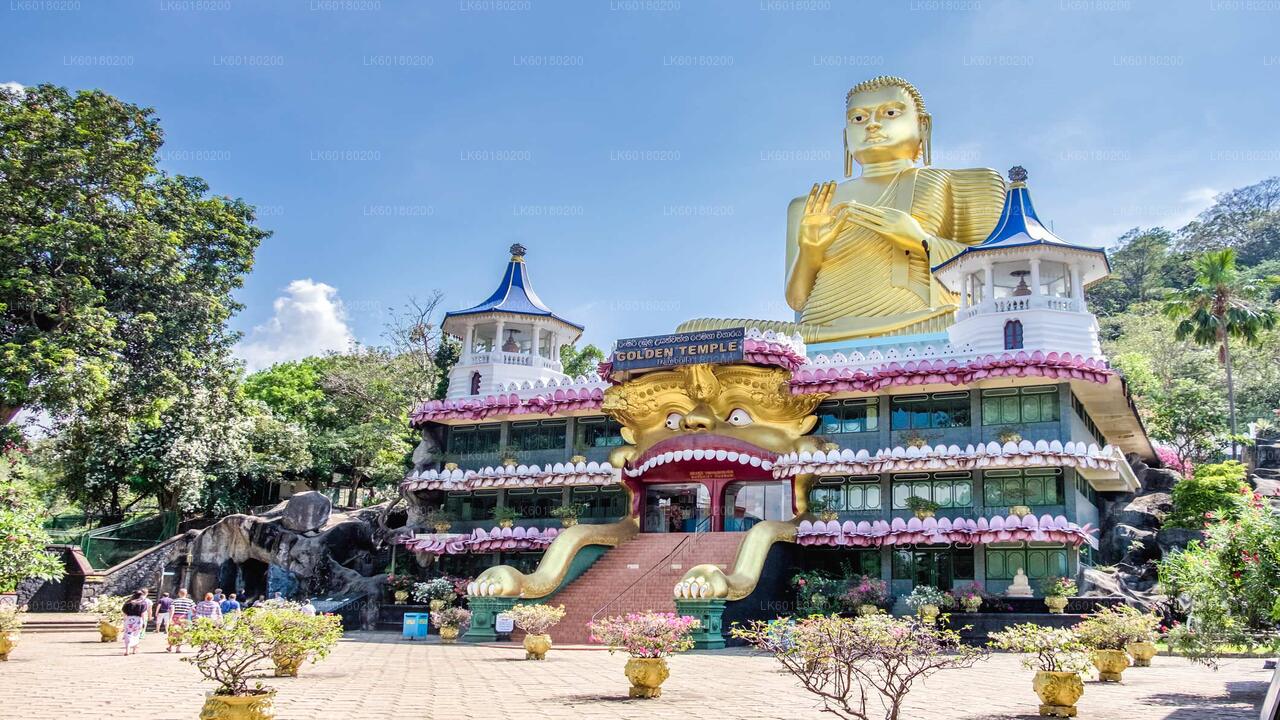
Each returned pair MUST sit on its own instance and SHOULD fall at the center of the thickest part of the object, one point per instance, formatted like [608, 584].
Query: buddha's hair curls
[880, 81]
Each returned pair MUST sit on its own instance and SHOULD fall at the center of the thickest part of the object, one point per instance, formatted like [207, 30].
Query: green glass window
[602, 503]
[948, 489]
[1007, 406]
[848, 416]
[536, 435]
[940, 568]
[597, 432]
[938, 410]
[473, 439]
[853, 494]
[471, 506]
[1036, 562]
[1033, 486]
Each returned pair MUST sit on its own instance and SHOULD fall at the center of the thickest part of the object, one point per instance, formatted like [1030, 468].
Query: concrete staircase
[638, 575]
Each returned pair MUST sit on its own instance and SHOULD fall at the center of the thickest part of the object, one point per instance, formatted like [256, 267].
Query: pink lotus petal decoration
[944, 530]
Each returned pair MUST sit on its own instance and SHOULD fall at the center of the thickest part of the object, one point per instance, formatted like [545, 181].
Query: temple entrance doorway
[677, 507]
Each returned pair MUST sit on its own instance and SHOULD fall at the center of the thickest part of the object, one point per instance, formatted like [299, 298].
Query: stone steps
[637, 576]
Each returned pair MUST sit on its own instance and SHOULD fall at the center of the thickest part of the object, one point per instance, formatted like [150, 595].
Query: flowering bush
[400, 583]
[1046, 648]
[459, 585]
[926, 595]
[230, 652]
[845, 661]
[536, 619]
[1054, 586]
[1213, 493]
[435, 589]
[10, 621]
[1114, 628]
[972, 596]
[1169, 458]
[865, 590]
[1228, 585]
[108, 608]
[645, 635]
[452, 617]
[298, 636]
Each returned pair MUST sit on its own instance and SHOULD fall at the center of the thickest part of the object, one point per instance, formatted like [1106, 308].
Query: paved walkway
[377, 675]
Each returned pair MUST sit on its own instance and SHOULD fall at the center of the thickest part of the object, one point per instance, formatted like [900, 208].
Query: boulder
[1158, 479]
[1171, 539]
[1129, 544]
[307, 511]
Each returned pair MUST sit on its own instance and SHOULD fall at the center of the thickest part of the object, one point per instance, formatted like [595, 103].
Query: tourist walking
[164, 612]
[218, 597]
[230, 605]
[135, 619]
[209, 608]
[183, 610]
[146, 615]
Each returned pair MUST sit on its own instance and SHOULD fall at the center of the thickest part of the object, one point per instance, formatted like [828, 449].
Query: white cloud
[14, 87]
[309, 319]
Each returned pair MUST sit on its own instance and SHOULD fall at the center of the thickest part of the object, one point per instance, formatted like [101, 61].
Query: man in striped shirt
[183, 609]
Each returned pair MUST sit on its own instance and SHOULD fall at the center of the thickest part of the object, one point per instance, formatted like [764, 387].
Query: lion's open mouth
[704, 449]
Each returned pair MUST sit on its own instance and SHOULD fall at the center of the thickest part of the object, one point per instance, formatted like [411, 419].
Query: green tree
[1139, 263]
[579, 363]
[1245, 219]
[1219, 305]
[1187, 417]
[115, 279]
[1217, 489]
[22, 536]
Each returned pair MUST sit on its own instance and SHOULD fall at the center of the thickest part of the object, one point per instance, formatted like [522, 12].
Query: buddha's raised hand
[897, 226]
[820, 226]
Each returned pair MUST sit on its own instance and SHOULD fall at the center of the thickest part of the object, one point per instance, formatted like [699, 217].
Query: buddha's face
[881, 125]
[704, 418]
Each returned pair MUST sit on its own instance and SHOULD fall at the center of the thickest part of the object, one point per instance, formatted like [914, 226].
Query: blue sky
[644, 152]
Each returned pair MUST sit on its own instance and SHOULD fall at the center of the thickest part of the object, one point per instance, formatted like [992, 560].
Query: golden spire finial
[517, 252]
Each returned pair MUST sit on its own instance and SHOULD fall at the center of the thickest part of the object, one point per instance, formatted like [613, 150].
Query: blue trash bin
[415, 626]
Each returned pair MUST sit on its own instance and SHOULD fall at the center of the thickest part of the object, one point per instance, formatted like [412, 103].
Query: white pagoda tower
[510, 337]
[1023, 287]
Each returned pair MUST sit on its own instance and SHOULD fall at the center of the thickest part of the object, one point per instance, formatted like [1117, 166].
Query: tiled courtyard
[377, 675]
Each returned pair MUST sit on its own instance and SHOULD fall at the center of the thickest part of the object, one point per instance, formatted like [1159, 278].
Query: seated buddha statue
[860, 252]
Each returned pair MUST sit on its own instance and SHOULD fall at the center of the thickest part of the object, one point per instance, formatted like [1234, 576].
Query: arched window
[1013, 335]
[475, 379]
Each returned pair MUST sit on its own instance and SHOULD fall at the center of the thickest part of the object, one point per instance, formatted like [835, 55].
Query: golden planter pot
[1056, 604]
[287, 664]
[929, 613]
[646, 676]
[868, 610]
[568, 521]
[443, 527]
[449, 634]
[506, 523]
[239, 707]
[1110, 664]
[1142, 653]
[971, 605]
[922, 514]
[829, 515]
[536, 647]
[438, 604]
[401, 596]
[7, 643]
[1058, 692]
[108, 631]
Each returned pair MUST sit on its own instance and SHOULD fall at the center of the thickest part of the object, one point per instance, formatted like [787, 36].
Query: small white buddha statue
[1020, 586]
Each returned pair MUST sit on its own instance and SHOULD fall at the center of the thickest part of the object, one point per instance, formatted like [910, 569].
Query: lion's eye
[673, 421]
[740, 417]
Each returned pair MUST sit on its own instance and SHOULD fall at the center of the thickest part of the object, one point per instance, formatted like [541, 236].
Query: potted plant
[568, 514]
[922, 507]
[823, 509]
[915, 439]
[648, 638]
[298, 637]
[1020, 510]
[1057, 656]
[10, 628]
[440, 520]
[1106, 633]
[437, 592]
[866, 595]
[1009, 434]
[970, 598]
[1056, 591]
[536, 621]
[506, 515]
[400, 586]
[110, 612]
[451, 621]
[927, 601]
[229, 653]
[1142, 644]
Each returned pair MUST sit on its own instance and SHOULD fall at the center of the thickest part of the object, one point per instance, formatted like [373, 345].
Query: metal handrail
[682, 549]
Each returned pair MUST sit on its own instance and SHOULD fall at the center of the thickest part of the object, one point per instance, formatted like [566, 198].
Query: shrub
[915, 503]
[400, 583]
[440, 588]
[645, 635]
[1054, 586]
[1213, 492]
[536, 619]
[1046, 648]
[926, 595]
[229, 653]
[816, 592]
[865, 590]
[846, 661]
[1115, 627]
[572, 510]
[22, 552]
[108, 608]
[10, 621]
[506, 512]
[438, 517]
[452, 617]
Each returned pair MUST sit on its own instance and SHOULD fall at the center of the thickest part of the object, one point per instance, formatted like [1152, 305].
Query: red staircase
[638, 575]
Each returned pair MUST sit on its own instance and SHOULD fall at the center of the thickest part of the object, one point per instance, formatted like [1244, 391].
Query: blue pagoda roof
[1019, 226]
[514, 294]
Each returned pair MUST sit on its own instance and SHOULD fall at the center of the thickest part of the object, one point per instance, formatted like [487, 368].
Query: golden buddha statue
[860, 252]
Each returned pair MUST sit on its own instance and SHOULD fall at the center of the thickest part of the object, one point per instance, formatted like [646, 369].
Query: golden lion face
[708, 418]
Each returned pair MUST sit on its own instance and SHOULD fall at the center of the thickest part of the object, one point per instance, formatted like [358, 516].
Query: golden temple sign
[708, 346]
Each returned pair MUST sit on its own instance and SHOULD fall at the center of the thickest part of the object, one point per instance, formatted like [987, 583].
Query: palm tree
[1219, 305]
